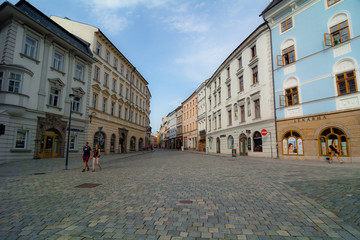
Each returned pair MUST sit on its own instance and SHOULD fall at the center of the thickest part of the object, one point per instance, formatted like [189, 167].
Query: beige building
[190, 133]
[120, 100]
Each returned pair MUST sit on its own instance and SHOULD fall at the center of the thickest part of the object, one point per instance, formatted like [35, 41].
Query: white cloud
[187, 24]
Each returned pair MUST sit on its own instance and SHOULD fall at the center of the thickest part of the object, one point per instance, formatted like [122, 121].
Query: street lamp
[68, 140]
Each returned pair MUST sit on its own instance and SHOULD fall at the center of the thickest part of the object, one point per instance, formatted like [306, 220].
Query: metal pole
[271, 145]
[68, 140]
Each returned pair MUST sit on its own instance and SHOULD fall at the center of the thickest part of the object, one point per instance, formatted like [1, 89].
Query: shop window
[326, 138]
[249, 144]
[230, 142]
[290, 98]
[286, 25]
[21, 139]
[292, 144]
[257, 142]
[73, 142]
[338, 33]
[287, 56]
[346, 83]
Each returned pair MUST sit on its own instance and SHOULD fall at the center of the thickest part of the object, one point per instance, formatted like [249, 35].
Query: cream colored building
[190, 133]
[120, 99]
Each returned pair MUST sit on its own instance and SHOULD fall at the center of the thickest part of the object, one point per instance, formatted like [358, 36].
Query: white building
[201, 118]
[171, 129]
[240, 102]
[41, 65]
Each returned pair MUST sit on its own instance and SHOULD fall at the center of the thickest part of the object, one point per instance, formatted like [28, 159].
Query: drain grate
[39, 173]
[186, 201]
[88, 185]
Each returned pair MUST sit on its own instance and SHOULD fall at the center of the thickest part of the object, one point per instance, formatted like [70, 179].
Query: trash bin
[234, 152]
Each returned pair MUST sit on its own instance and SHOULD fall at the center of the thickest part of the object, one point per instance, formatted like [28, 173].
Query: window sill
[105, 86]
[51, 106]
[30, 58]
[19, 150]
[77, 113]
[97, 81]
[253, 61]
[79, 80]
[56, 70]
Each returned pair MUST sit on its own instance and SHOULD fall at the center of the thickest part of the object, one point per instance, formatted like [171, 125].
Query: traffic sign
[263, 132]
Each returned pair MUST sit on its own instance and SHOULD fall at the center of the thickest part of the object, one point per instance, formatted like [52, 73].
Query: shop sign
[76, 130]
[222, 136]
[308, 119]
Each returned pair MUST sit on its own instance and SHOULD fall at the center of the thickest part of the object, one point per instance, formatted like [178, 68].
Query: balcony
[15, 103]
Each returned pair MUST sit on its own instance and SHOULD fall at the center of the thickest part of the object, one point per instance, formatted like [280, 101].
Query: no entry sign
[263, 132]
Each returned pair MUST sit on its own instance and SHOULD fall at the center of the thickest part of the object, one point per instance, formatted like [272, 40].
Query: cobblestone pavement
[179, 195]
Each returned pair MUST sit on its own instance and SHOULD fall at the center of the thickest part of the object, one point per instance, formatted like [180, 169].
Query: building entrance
[49, 145]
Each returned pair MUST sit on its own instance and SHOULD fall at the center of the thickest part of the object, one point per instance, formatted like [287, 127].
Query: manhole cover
[88, 185]
[186, 201]
[39, 173]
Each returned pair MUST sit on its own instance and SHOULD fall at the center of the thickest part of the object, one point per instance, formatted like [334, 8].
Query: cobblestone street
[180, 195]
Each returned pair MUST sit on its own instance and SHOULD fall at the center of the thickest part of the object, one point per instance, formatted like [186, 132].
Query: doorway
[217, 145]
[49, 145]
[243, 145]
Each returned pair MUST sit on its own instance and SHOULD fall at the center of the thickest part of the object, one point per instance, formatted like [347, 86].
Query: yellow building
[190, 132]
[119, 100]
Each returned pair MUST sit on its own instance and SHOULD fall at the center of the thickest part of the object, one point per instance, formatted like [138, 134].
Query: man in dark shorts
[86, 155]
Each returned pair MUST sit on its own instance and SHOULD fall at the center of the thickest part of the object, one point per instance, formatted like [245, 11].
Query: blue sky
[174, 44]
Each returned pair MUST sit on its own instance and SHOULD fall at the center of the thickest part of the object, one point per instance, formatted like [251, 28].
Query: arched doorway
[112, 143]
[141, 144]
[100, 139]
[49, 147]
[328, 135]
[217, 145]
[243, 145]
[132, 144]
[122, 143]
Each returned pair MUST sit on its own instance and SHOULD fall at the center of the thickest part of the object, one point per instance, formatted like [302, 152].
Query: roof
[30, 11]
[271, 5]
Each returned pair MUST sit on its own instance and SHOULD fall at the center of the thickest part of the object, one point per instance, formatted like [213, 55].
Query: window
[79, 71]
[107, 56]
[1, 80]
[73, 142]
[122, 69]
[54, 97]
[127, 93]
[136, 118]
[249, 144]
[215, 122]
[229, 90]
[58, 61]
[240, 62]
[219, 98]
[126, 113]
[346, 83]
[242, 113]
[114, 84]
[76, 104]
[119, 111]
[257, 108]
[290, 98]
[209, 123]
[112, 108]
[229, 118]
[96, 73]
[115, 62]
[333, 134]
[248, 107]
[241, 83]
[228, 72]
[253, 51]
[214, 100]
[98, 48]
[219, 81]
[286, 25]
[104, 104]
[292, 144]
[121, 89]
[94, 103]
[21, 139]
[338, 33]
[230, 142]
[30, 47]
[255, 75]
[106, 79]
[287, 57]
[257, 142]
[332, 2]
[127, 74]
[14, 82]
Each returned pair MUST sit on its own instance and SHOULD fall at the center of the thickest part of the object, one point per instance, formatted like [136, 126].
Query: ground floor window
[330, 134]
[21, 139]
[292, 144]
[132, 143]
[257, 142]
[73, 142]
[230, 142]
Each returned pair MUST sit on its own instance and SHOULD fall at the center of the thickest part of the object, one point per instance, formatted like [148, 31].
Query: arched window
[132, 143]
[326, 138]
[292, 144]
[230, 142]
[112, 143]
[141, 144]
[100, 139]
[257, 142]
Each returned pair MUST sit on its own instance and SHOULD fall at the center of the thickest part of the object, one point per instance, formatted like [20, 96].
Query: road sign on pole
[263, 132]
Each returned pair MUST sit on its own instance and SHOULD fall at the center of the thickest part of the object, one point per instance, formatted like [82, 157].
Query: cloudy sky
[174, 44]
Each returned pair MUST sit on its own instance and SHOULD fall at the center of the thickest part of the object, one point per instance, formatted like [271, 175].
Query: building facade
[120, 99]
[190, 132]
[240, 100]
[201, 118]
[316, 80]
[179, 127]
[44, 71]
[171, 131]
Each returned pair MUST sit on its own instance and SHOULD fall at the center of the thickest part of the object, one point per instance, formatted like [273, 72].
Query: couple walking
[87, 154]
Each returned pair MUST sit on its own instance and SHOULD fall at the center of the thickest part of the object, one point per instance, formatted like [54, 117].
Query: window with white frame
[76, 104]
[30, 47]
[54, 99]
[94, 102]
[14, 82]
[79, 72]
[73, 142]
[58, 61]
[21, 138]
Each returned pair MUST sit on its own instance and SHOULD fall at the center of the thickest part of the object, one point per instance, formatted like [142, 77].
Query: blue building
[316, 54]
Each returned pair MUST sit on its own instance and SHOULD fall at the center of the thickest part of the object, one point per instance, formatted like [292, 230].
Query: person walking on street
[334, 151]
[86, 155]
[96, 157]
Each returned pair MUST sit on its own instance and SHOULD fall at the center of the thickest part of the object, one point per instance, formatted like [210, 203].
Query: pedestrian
[86, 155]
[334, 151]
[96, 157]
